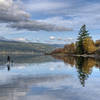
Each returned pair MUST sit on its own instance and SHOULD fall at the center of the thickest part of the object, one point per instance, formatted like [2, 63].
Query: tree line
[83, 45]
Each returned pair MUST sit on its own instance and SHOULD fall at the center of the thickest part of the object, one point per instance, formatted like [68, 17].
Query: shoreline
[76, 55]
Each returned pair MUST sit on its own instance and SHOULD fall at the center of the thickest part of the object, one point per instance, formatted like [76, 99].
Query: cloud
[5, 3]
[59, 39]
[72, 13]
[70, 40]
[44, 6]
[52, 37]
[37, 26]
[14, 14]
[50, 15]
[11, 12]
[21, 39]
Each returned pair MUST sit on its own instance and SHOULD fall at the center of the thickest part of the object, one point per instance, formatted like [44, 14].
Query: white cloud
[52, 37]
[69, 13]
[11, 12]
[5, 3]
[70, 40]
[61, 14]
[45, 6]
[21, 39]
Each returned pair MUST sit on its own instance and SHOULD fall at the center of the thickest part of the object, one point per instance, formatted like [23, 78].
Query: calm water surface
[49, 78]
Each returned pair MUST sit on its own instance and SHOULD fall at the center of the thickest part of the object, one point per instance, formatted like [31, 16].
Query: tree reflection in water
[83, 65]
[84, 68]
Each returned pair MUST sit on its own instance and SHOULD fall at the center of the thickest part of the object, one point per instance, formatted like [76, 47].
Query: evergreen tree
[83, 33]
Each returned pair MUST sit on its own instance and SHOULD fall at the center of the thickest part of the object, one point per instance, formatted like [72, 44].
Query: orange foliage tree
[89, 45]
[70, 48]
[58, 50]
[97, 43]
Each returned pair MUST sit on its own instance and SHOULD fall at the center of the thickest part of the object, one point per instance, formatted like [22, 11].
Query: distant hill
[7, 46]
[57, 45]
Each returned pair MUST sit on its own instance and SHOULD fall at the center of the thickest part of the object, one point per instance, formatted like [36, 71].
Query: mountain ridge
[10, 46]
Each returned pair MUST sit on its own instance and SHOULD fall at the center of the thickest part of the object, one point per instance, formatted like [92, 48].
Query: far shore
[77, 55]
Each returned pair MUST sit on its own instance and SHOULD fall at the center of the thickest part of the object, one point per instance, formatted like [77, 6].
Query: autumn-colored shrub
[98, 51]
[70, 48]
[58, 50]
[89, 45]
[97, 43]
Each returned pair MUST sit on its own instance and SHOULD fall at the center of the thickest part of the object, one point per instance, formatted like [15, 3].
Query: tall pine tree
[83, 33]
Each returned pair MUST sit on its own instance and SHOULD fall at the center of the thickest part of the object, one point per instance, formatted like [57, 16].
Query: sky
[48, 21]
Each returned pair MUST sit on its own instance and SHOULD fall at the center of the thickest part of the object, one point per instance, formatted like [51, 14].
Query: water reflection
[46, 78]
[8, 67]
[9, 63]
[83, 65]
